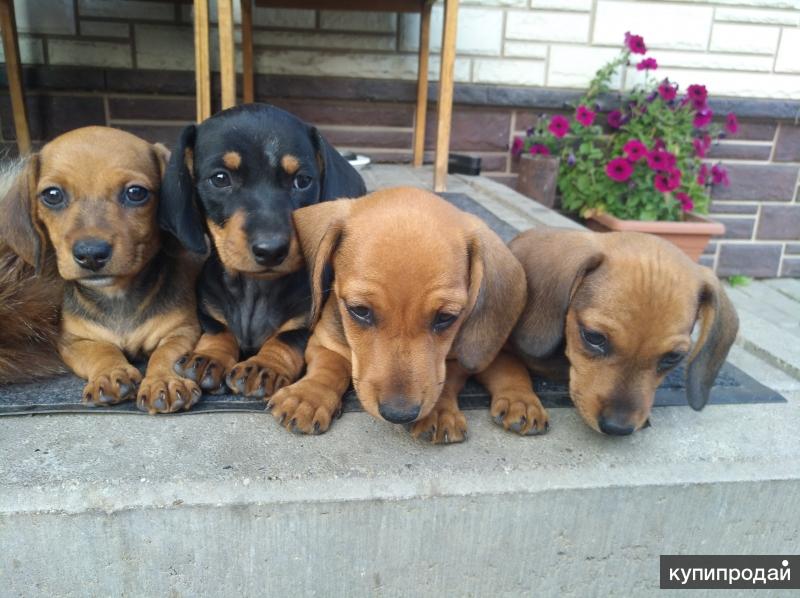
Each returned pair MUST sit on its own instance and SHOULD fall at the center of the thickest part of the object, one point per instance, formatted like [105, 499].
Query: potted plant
[645, 170]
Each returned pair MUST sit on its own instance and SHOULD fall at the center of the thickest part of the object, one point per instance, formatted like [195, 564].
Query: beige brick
[30, 51]
[45, 16]
[480, 31]
[703, 60]
[730, 83]
[508, 71]
[788, 60]
[755, 39]
[525, 49]
[321, 39]
[104, 29]
[575, 66]
[88, 53]
[165, 47]
[753, 15]
[285, 18]
[339, 20]
[668, 26]
[503, 3]
[547, 26]
[581, 5]
[127, 9]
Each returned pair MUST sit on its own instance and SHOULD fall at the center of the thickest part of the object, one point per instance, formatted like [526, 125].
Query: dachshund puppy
[90, 198]
[421, 295]
[237, 178]
[614, 312]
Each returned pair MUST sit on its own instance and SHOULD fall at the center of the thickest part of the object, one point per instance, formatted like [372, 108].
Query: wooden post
[445, 113]
[201, 60]
[227, 53]
[8, 27]
[248, 71]
[422, 83]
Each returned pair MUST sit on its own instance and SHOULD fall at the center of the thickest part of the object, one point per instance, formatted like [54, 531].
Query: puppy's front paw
[115, 386]
[305, 406]
[443, 425]
[520, 412]
[205, 370]
[167, 394]
[258, 377]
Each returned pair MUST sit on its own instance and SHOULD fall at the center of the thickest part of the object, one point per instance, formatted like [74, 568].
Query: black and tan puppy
[90, 198]
[237, 178]
[421, 296]
[615, 312]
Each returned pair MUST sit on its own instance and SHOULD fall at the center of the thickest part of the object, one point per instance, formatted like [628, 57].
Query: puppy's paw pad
[304, 407]
[521, 413]
[258, 377]
[441, 426]
[167, 394]
[204, 370]
[113, 387]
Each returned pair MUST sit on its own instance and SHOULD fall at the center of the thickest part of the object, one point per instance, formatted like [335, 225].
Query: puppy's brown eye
[221, 180]
[443, 321]
[361, 314]
[670, 360]
[136, 194]
[302, 182]
[53, 197]
[595, 342]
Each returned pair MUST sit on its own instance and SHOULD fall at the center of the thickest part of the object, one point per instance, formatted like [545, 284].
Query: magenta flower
[635, 149]
[698, 104]
[731, 123]
[702, 118]
[615, 119]
[635, 43]
[619, 169]
[701, 145]
[559, 126]
[697, 93]
[648, 64]
[516, 146]
[667, 91]
[539, 149]
[687, 205]
[661, 160]
[702, 175]
[719, 175]
[585, 116]
[659, 144]
[667, 181]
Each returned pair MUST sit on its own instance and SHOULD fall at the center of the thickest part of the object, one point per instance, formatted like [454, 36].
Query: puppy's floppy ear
[177, 210]
[19, 227]
[338, 178]
[496, 298]
[555, 263]
[719, 325]
[319, 229]
[162, 155]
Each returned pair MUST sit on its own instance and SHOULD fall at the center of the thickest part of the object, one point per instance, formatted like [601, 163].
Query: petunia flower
[635, 149]
[667, 91]
[661, 160]
[697, 92]
[635, 43]
[702, 118]
[731, 123]
[648, 64]
[539, 149]
[719, 175]
[516, 146]
[698, 104]
[615, 119]
[667, 181]
[559, 126]
[619, 169]
[702, 175]
[585, 116]
[687, 205]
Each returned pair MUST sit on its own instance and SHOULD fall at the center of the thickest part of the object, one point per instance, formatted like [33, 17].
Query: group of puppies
[249, 259]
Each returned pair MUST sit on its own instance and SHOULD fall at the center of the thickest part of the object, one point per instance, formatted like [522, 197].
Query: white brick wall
[737, 47]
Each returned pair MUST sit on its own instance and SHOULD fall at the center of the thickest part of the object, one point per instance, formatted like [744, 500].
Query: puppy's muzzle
[92, 254]
[398, 410]
[270, 251]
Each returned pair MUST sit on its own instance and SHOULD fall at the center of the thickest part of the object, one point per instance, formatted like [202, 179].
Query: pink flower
[702, 118]
[687, 205]
[731, 123]
[698, 104]
[516, 146]
[701, 145]
[635, 43]
[635, 149]
[697, 92]
[659, 144]
[585, 116]
[702, 175]
[539, 149]
[559, 126]
[719, 175]
[667, 181]
[667, 91]
[648, 64]
[660, 160]
[619, 169]
[615, 119]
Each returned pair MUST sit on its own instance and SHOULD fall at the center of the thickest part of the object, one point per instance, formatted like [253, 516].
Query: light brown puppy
[615, 312]
[421, 296]
[90, 198]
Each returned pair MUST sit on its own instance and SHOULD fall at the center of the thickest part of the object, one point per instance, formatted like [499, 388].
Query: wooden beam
[422, 84]
[202, 61]
[248, 71]
[445, 112]
[8, 27]
[227, 53]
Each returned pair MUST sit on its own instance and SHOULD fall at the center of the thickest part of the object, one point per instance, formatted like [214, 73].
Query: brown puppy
[90, 198]
[422, 295]
[615, 312]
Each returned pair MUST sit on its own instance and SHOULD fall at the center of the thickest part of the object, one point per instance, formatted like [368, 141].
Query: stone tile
[779, 223]
[750, 259]
[718, 207]
[508, 71]
[50, 116]
[367, 137]
[792, 249]
[711, 248]
[89, 53]
[791, 267]
[751, 182]
[575, 66]
[323, 39]
[502, 3]
[165, 48]
[45, 16]
[579, 5]
[707, 60]
[166, 134]
[751, 39]
[547, 26]
[31, 51]
[351, 20]
[154, 81]
[151, 108]
[509, 180]
[740, 151]
[737, 228]
[105, 29]
[669, 26]
[707, 261]
[734, 84]
[525, 49]
[473, 129]
[787, 145]
[789, 50]
[128, 9]
[286, 18]
[755, 131]
[480, 31]
[342, 113]
[757, 15]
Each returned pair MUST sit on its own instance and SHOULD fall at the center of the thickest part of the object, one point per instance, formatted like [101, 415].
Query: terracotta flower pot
[537, 178]
[691, 235]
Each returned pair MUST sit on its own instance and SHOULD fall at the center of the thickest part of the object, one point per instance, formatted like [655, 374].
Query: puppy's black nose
[398, 410]
[270, 251]
[609, 425]
[92, 254]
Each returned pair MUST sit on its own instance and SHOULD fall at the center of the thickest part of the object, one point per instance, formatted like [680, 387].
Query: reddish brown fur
[232, 160]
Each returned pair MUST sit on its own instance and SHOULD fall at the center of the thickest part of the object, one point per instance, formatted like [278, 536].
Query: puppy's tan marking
[232, 160]
[188, 159]
[290, 164]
